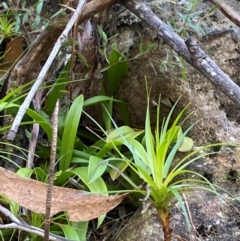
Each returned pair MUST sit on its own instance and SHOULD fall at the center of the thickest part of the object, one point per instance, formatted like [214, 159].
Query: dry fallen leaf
[14, 50]
[31, 194]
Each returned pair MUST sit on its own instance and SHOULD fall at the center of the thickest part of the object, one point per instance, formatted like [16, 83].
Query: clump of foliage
[150, 155]
[152, 158]
[7, 29]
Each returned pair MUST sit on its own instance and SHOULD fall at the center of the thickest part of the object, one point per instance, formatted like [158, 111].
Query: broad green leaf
[98, 167]
[102, 34]
[118, 69]
[83, 59]
[150, 145]
[62, 116]
[187, 145]
[79, 160]
[142, 154]
[212, 9]
[6, 234]
[105, 114]
[124, 176]
[161, 159]
[124, 112]
[46, 126]
[96, 147]
[41, 175]
[95, 169]
[69, 133]
[36, 22]
[174, 133]
[58, 89]
[98, 99]
[34, 115]
[25, 17]
[127, 131]
[108, 147]
[126, 143]
[5, 5]
[98, 186]
[121, 166]
[171, 155]
[39, 7]
[69, 232]
[146, 177]
[18, 22]
[25, 172]
[57, 13]
[81, 229]
[61, 177]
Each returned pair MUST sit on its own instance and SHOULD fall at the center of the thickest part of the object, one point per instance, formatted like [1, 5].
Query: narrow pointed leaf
[69, 133]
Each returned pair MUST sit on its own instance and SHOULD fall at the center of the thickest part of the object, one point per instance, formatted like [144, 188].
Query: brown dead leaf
[31, 194]
[14, 50]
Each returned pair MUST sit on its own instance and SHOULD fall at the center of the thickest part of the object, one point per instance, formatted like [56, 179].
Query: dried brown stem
[35, 131]
[51, 171]
[165, 217]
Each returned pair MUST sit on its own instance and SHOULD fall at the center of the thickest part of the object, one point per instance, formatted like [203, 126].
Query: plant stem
[51, 171]
[165, 216]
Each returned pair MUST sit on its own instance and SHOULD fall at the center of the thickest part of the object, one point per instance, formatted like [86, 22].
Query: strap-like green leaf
[69, 133]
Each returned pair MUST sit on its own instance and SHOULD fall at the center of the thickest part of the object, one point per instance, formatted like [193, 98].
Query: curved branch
[17, 224]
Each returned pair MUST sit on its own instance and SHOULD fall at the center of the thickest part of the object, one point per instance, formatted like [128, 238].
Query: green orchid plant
[153, 159]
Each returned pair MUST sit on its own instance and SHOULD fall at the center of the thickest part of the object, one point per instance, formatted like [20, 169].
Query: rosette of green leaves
[153, 159]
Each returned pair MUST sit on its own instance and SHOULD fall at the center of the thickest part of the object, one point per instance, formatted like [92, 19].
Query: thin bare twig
[51, 171]
[43, 72]
[17, 224]
[35, 131]
[194, 231]
[73, 57]
[32, 145]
